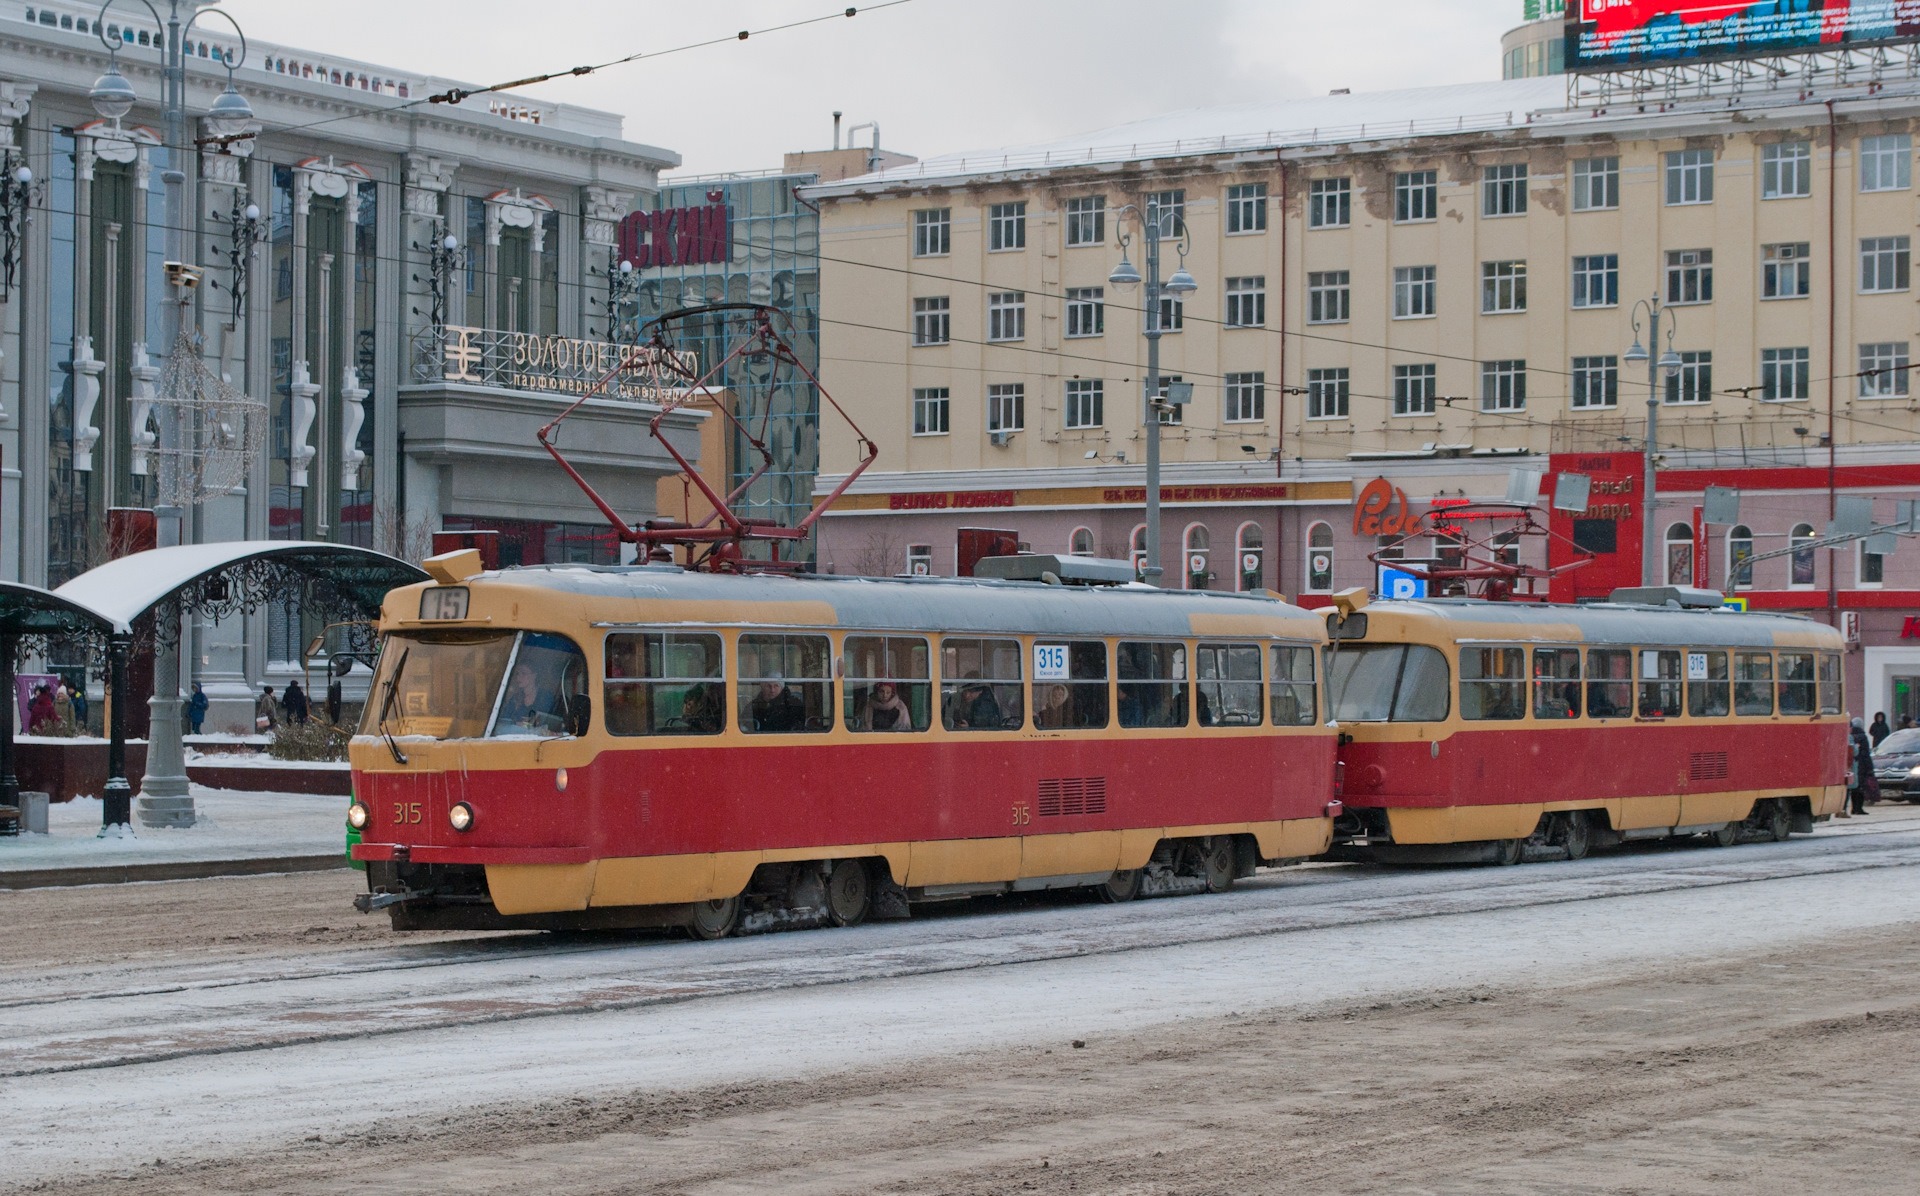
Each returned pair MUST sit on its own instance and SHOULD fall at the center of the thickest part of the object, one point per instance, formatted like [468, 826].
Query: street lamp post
[1123, 279]
[164, 792]
[1668, 363]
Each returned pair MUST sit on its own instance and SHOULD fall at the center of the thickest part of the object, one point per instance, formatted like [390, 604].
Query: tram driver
[547, 670]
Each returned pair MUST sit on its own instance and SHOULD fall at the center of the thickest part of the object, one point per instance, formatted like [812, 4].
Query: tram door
[1906, 700]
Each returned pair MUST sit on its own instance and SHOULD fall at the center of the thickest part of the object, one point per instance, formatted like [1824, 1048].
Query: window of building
[1199, 555]
[1800, 571]
[1173, 314]
[1503, 385]
[785, 684]
[1883, 370]
[1596, 382]
[1329, 203]
[1080, 543]
[1679, 545]
[665, 683]
[980, 685]
[930, 321]
[1087, 220]
[1689, 276]
[1413, 292]
[1596, 280]
[1252, 544]
[1328, 296]
[1138, 552]
[1247, 208]
[1739, 552]
[1786, 271]
[1786, 170]
[1493, 683]
[889, 683]
[1086, 400]
[920, 560]
[1596, 184]
[1503, 287]
[1415, 388]
[1784, 375]
[1327, 394]
[1246, 398]
[1503, 190]
[1871, 568]
[1168, 209]
[1320, 559]
[930, 411]
[1247, 302]
[1007, 316]
[1007, 226]
[1416, 196]
[1086, 311]
[1886, 163]
[1694, 383]
[932, 232]
[1689, 177]
[1883, 264]
[1007, 407]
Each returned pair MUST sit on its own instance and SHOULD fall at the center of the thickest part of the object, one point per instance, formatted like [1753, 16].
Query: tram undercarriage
[1364, 834]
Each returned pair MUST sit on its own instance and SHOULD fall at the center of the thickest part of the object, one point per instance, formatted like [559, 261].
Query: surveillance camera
[1092, 453]
[180, 274]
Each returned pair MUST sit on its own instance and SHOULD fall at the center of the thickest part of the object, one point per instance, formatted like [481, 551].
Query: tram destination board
[1607, 35]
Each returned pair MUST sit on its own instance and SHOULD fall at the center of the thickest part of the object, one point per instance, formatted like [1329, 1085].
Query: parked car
[1896, 765]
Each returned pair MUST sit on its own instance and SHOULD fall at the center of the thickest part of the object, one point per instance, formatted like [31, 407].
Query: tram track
[247, 1007]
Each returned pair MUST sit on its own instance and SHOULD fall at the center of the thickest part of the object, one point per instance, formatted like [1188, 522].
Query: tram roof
[927, 603]
[1612, 622]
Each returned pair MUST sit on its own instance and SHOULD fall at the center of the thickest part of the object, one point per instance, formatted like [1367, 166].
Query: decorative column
[145, 373]
[304, 408]
[86, 395]
[601, 211]
[352, 414]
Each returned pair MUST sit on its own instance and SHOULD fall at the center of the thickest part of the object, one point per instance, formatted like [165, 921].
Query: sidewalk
[238, 834]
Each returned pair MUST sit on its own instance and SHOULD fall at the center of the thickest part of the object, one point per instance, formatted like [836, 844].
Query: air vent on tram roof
[1057, 570]
[1685, 597]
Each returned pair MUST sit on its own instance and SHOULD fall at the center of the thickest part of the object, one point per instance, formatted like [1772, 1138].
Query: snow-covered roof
[124, 589]
[1264, 124]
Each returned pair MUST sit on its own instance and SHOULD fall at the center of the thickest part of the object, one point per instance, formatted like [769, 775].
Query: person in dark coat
[778, 708]
[293, 700]
[1879, 729]
[1865, 787]
[197, 708]
[40, 713]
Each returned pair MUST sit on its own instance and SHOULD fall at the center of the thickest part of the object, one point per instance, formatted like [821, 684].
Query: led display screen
[1617, 34]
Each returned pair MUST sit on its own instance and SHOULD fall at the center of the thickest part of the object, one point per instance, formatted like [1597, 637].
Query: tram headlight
[358, 816]
[461, 816]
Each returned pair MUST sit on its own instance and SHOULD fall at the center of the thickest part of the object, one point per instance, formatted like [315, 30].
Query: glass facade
[775, 260]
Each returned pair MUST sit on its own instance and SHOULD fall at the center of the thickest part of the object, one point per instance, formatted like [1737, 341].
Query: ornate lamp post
[1651, 572]
[442, 256]
[621, 285]
[1123, 279]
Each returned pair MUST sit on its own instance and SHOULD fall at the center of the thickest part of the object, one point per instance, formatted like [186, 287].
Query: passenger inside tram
[778, 709]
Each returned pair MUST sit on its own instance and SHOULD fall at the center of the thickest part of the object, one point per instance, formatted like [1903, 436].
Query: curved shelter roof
[124, 589]
[30, 610]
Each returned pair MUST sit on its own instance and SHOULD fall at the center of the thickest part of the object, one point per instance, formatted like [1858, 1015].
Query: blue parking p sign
[1396, 584]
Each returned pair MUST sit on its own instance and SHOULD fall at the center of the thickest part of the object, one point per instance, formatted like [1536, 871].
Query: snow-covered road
[103, 1066]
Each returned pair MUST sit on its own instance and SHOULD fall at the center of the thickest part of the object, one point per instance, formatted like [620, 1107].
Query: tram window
[439, 685]
[1229, 681]
[1829, 683]
[1707, 684]
[1798, 693]
[1293, 700]
[1659, 683]
[1609, 682]
[1075, 697]
[1406, 683]
[786, 686]
[1752, 683]
[547, 672]
[1153, 685]
[889, 683]
[1556, 683]
[1493, 683]
[665, 683]
[980, 685]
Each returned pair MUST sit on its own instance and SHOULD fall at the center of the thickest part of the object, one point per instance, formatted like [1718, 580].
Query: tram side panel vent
[1707, 766]
[1070, 796]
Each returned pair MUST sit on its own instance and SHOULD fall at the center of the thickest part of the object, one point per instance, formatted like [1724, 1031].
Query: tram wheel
[1726, 836]
[1216, 863]
[1507, 852]
[1574, 834]
[1121, 886]
[1779, 821]
[849, 893]
[711, 920]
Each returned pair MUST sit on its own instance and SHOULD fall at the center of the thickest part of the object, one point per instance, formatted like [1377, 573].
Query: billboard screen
[1616, 34]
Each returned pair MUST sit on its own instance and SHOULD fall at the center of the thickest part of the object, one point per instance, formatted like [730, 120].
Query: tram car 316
[584, 746]
[1497, 731]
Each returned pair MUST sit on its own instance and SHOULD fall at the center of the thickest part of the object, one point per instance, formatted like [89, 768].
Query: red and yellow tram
[582, 746]
[1496, 731]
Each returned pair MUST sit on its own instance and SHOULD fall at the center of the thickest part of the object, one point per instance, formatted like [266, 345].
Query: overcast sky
[940, 76]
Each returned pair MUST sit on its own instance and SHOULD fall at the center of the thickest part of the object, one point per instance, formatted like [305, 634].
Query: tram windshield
[446, 684]
[1376, 683]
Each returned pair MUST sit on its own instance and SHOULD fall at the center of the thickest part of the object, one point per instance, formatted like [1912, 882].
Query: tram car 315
[1476, 731]
[581, 747]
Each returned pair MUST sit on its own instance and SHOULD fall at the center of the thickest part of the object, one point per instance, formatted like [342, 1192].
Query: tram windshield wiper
[386, 705]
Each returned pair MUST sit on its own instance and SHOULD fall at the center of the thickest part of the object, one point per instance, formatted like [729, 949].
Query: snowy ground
[232, 825]
[109, 1065]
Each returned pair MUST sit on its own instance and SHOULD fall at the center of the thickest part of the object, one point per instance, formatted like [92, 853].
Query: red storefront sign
[1609, 527]
[1133, 494]
[677, 237]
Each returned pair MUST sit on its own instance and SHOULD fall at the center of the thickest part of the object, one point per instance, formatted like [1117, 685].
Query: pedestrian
[1906, 722]
[266, 711]
[39, 711]
[62, 707]
[78, 696]
[1865, 788]
[293, 700]
[197, 708]
[1879, 730]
